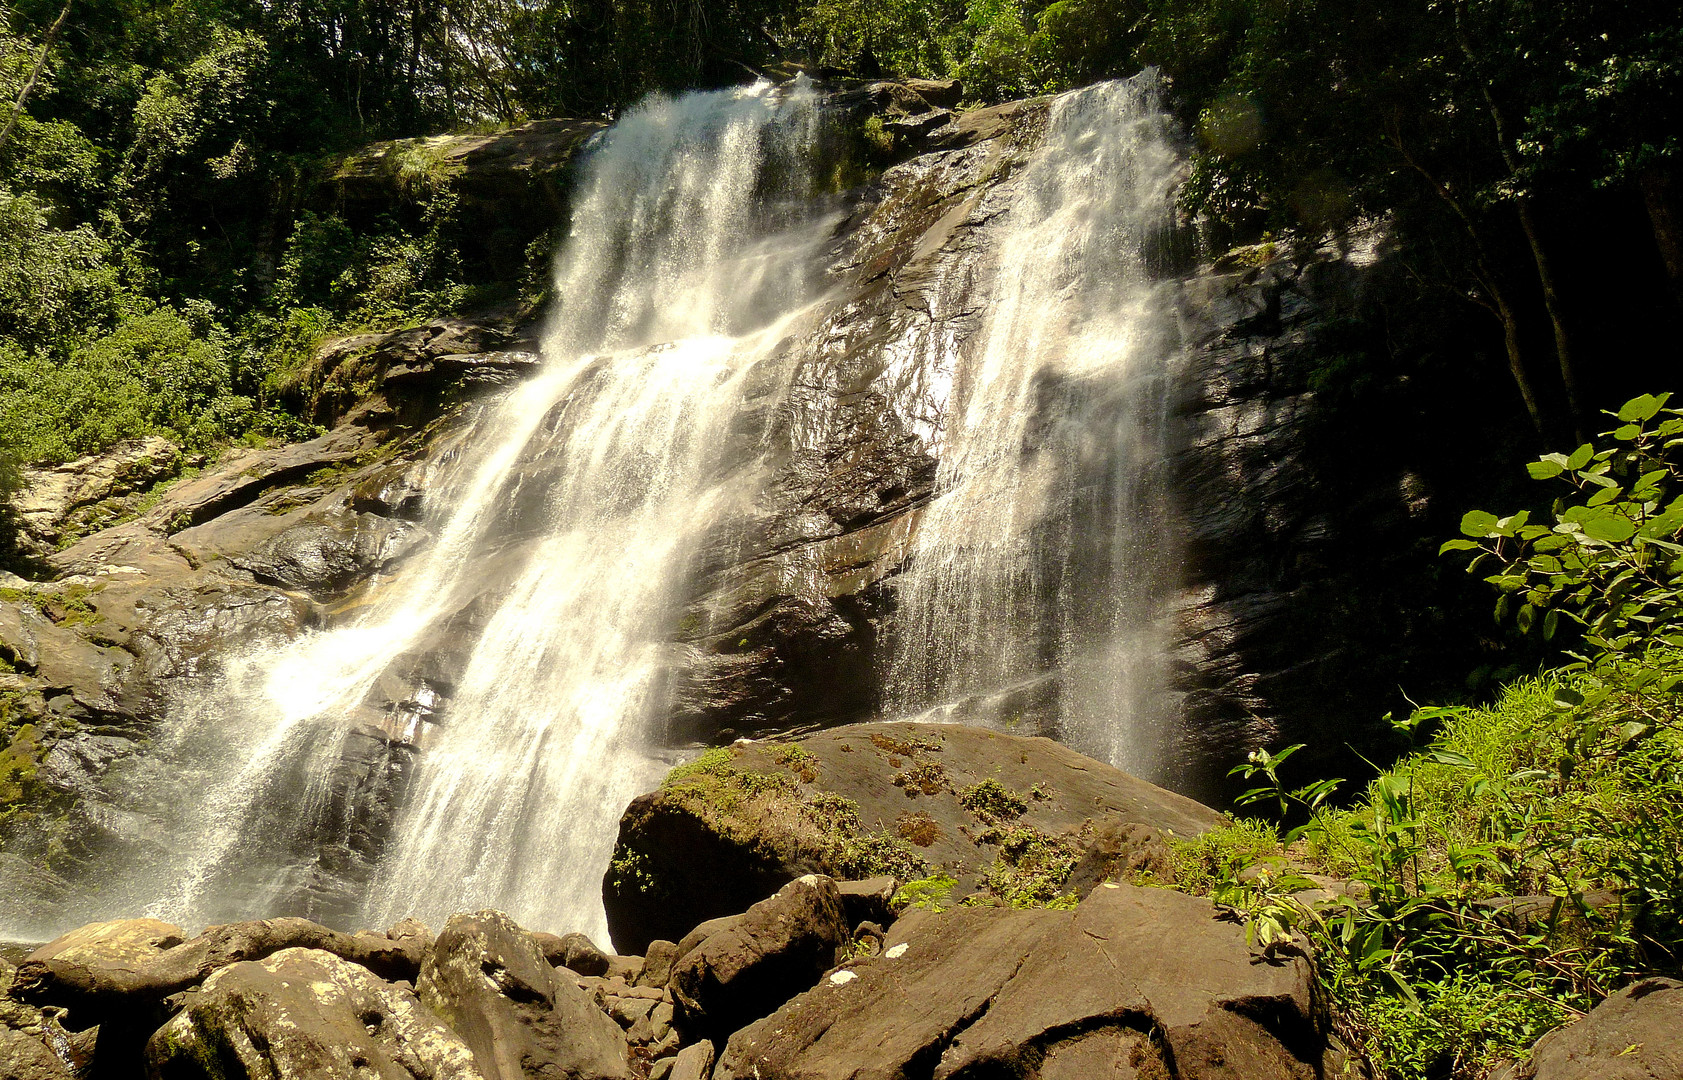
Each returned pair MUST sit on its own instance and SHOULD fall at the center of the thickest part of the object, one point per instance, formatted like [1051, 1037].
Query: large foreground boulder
[778, 948]
[304, 1012]
[1135, 981]
[112, 968]
[1636, 1034]
[522, 1018]
[998, 813]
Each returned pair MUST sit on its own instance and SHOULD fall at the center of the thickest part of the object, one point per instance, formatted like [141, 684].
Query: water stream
[563, 519]
[1035, 596]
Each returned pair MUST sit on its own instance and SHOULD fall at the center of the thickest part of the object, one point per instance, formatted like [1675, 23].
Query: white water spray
[1036, 582]
[683, 263]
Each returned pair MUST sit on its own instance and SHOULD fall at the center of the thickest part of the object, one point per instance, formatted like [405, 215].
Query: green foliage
[155, 372]
[1204, 863]
[1031, 867]
[715, 763]
[1609, 559]
[1567, 793]
[53, 282]
[933, 893]
[992, 801]
[798, 760]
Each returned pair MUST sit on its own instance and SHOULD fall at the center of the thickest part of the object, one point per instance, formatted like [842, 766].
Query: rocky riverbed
[815, 978]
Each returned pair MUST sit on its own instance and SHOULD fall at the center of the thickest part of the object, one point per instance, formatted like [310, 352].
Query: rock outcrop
[104, 969]
[995, 812]
[987, 992]
[1636, 1034]
[776, 949]
[489, 980]
[303, 1012]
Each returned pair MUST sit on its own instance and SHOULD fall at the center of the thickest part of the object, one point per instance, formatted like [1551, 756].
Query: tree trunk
[34, 74]
[1557, 318]
[1516, 361]
[1657, 194]
[1498, 303]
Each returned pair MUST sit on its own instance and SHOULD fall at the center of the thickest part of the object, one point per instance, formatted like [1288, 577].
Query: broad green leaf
[1457, 545]
[1580, 457]
[1611, 529]
[1478, 523]
[1544, 470]
[1642, 408]
[1451, 757]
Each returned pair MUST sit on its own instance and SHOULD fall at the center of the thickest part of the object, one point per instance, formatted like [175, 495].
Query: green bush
[154, 372]
[1566, 793]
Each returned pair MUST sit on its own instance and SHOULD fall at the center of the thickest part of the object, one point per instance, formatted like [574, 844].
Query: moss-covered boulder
[956, 812]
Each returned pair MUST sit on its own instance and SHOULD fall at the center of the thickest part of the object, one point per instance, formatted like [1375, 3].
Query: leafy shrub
[932, 893]
[152, 373]
[992, 801]
[53, 282]
[1568, 789]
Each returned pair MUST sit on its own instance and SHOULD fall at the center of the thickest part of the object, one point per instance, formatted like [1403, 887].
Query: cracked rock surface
[995, 993]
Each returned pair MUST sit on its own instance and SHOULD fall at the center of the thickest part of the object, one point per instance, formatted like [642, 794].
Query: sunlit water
[1035, 595]
[683, 261]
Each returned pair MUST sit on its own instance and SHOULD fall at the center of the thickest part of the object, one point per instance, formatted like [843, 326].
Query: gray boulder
[1636, 1034]
[303, 1012]
[1095, 992]
[780, 947]
[489, 980]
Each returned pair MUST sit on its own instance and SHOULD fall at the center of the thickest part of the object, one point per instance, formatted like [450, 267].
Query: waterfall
[563, 517]
[469, 730]
[1038, 575]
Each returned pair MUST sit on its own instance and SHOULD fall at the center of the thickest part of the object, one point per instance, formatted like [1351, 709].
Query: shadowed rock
[780, 947]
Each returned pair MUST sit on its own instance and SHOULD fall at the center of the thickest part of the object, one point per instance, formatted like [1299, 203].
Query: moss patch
[993, 802]
[760, 810]
[1031, 867]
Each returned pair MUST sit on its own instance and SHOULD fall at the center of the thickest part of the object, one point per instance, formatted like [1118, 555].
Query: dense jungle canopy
[155, 268]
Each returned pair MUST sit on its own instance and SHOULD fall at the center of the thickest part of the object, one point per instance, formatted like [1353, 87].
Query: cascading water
[471, 738]
[1039, 571]
[582, 493]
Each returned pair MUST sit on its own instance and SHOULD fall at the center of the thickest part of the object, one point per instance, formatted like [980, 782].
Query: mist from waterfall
[1036, 590]
[562, 519]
